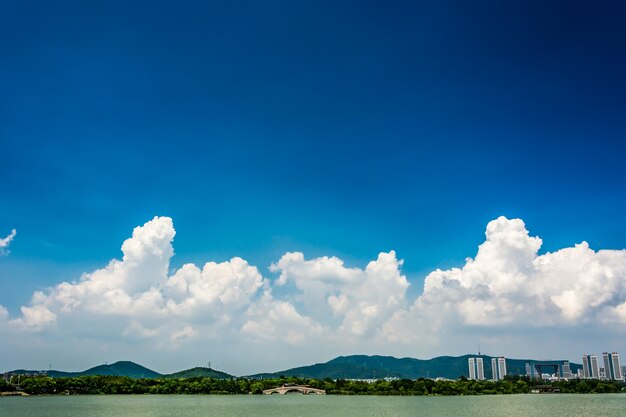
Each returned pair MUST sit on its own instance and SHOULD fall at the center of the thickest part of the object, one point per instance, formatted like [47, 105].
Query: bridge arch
[292, 388]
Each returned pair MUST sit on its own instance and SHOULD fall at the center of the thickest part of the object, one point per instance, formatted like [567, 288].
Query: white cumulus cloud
[509, 283]
[507, 294]
[139, 291]
[274, 320]
[359, 299]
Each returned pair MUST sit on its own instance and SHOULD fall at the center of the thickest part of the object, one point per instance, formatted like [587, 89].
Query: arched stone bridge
[303, 389]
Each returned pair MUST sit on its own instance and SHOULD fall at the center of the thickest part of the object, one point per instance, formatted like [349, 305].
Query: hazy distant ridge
[348, 367]
[133, 370]
[373, 367]
[200, 372]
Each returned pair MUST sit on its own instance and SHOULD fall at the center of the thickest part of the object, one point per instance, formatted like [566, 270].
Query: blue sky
[331, 129]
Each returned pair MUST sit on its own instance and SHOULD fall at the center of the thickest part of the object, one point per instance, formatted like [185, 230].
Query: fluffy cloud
[4, 243]
[509, 283]
[324, 305]
[270, 320]
[139, 290]
[361, 299]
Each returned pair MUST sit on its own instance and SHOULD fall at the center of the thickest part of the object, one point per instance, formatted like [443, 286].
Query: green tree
[38, 385]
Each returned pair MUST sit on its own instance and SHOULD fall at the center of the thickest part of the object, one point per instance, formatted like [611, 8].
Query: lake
[605, 405]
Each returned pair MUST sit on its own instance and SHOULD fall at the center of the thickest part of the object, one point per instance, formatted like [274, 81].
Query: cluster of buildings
[477, 368]
[612, 367]
[554, 370]
[550, 370]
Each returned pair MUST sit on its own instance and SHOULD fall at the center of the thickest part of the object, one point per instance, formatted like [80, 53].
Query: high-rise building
[498, 368]
[585, 366]
[612, 367]
[476, 368]
[472, 368]
[501, 367]
[567, 372]
[480, 369]
[529, 371]
[595, 367]
[607, 365]
[591, 368]
[617, 366]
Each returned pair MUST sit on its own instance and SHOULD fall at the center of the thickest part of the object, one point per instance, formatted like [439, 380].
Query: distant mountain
[200, 372]
[122, 368]
[374, 367]
[348, 367]
[131, 370]
[53, 373]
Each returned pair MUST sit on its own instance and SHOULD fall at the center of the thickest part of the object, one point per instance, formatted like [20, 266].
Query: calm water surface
[605, 405]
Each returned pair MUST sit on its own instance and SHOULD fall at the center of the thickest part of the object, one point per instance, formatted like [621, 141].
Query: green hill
[200, 372]
[53, 373]
[374, 367]
[131, 370]
[122, 368]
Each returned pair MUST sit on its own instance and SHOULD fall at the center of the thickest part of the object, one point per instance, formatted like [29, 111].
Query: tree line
[201, 385]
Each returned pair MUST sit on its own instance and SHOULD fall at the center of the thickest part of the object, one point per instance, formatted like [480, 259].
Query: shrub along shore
[125, 385]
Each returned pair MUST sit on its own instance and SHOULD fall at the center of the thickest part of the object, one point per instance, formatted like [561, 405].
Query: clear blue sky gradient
[335, 129]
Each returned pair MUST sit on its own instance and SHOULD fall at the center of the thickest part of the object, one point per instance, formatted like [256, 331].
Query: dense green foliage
[201, 385]
[5, 386]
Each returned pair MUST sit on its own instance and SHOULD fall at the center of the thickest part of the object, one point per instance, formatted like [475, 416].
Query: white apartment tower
[472, 368]
[480, 369]
[590, 367]
[501, 367]
[595, 367]
[498, 368]
[612, 367]
[476, 368]
[567, 372]
[617, 366]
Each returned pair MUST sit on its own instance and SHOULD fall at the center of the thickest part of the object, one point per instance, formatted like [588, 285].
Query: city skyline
[184, 182]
